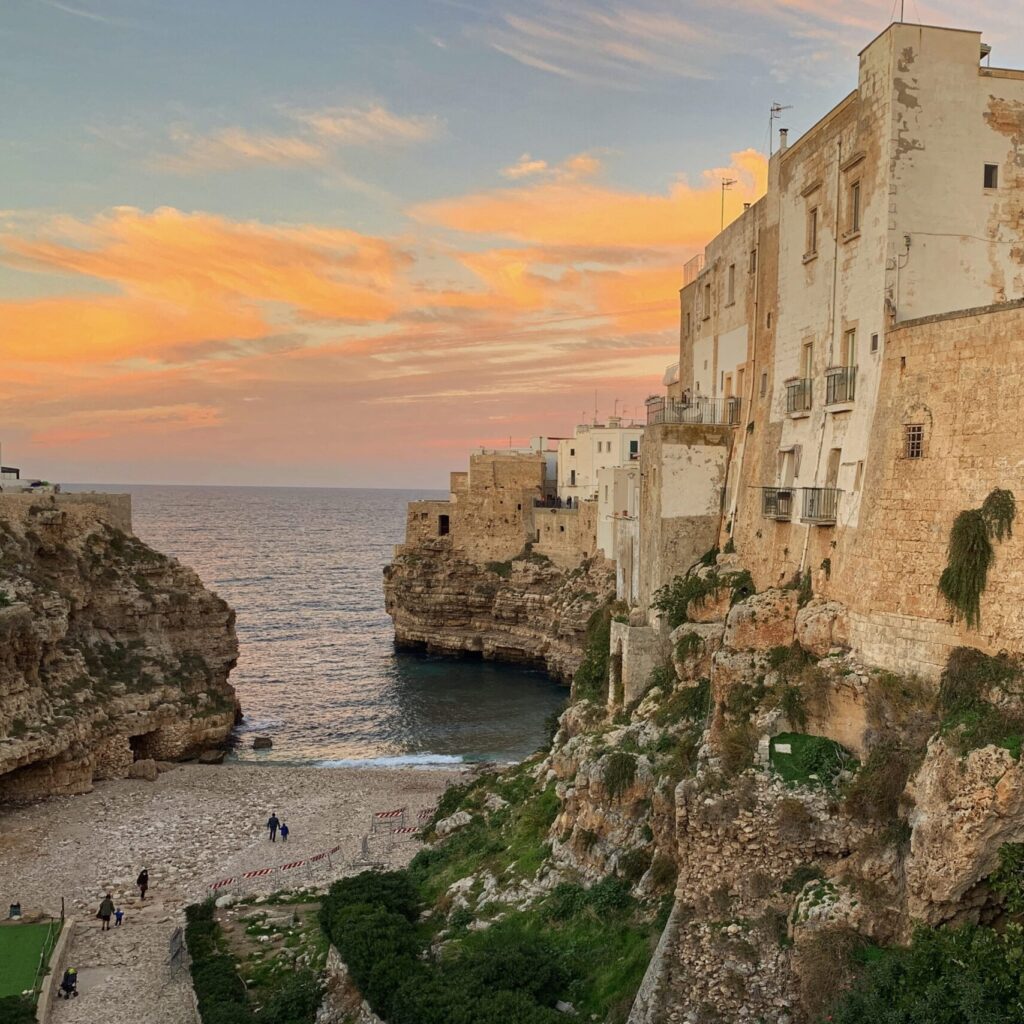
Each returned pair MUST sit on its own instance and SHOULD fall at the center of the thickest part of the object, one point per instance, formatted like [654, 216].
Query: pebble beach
[191, 827]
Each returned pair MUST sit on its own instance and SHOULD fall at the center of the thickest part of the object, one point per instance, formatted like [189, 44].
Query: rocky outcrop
[110, 653]
[526, 611]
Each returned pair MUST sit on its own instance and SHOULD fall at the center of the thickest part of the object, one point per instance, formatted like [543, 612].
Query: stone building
[592, 448]
[859, 328]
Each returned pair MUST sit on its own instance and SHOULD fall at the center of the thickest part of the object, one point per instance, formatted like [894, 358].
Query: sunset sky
[341, 243]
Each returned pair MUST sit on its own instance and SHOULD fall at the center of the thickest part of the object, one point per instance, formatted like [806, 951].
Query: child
[118, 914]
[284, 833]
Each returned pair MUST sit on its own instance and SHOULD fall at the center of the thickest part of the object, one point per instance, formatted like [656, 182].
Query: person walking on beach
[118, 914]
[284, 832]
[106, 909]
[143, 882]
[273, 824]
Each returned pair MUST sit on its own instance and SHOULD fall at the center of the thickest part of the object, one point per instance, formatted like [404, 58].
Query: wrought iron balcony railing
[725, 412]
[777, 503]
[798, 395]
[840, 384]
[820, 505]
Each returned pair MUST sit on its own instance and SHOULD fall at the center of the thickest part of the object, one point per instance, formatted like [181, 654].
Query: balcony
[692, 269]
[777, 503]
[724, 412]
[820, 505]
[798, 396]
[840, 384]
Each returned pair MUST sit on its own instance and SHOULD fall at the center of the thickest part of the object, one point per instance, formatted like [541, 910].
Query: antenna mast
[774, 114]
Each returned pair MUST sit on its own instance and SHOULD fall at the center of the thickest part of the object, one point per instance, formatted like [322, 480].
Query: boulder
[452, 822]
[262, 743]
[145, 769]
[691, 658]
[165, 766]
[211, 756]
[762, 622]
[821, 626]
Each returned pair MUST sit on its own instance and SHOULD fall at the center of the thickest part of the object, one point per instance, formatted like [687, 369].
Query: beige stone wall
[115, 509]
[566, 536]
[422, 520]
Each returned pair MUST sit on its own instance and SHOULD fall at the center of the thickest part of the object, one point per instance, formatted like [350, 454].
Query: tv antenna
[774, 114]
[726, 184]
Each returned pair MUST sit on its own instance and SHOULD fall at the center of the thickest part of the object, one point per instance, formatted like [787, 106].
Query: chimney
[746, 206]
[783, 139]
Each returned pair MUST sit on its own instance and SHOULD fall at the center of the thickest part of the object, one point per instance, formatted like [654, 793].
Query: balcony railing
[820, 504]
[840, 384]
[725, 412]
[798, 395]
[777, 503]
[692, 268]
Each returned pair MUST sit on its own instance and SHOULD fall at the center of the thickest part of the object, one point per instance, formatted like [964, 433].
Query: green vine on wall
[971, 553]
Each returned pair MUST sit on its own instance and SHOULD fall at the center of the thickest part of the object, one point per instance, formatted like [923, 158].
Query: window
[764, 384]
[753, 261]
[707, 300]
[874, 342]
[858, 479]
[850, 348]
[807, 360]
[855, 207]
[768, 322]
[991, 176]
[572, 478]
[731, 285]
[605, 492]
[812, 231]
[687, 324]
[913, 441]
[705, 364]
[572, 451]
[634, 447]
[832, 470]
[443, 525]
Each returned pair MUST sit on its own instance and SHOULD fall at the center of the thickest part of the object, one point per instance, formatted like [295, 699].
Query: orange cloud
[98, 424]
[234, 147]
[560, 213]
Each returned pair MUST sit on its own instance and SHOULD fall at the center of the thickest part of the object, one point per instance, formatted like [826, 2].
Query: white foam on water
[395, 761]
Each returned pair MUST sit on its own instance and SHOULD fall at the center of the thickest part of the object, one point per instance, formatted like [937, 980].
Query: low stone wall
[115, 509]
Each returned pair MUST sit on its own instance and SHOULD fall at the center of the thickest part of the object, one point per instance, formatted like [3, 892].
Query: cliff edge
[110, 652]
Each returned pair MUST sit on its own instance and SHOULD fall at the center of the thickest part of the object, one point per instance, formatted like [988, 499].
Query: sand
[191, 827]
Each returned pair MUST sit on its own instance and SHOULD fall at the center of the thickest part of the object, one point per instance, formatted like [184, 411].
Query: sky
[339, 243]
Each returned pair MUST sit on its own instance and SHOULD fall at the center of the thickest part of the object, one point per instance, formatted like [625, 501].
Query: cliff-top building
[861, 327]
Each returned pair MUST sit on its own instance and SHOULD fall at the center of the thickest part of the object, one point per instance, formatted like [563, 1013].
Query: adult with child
[106, 909]
[273, 824]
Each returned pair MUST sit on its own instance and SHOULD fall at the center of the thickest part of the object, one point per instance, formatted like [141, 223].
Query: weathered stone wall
[115, 509]
[566, 535]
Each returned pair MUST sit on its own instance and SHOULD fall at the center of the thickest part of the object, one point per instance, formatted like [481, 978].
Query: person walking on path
[118, 914]
[273, 824]
[284, 832]
[143, 882]
[106, 909]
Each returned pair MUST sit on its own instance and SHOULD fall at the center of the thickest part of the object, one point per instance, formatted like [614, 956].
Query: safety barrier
[406, 830]
[387, 819]
[237, 881]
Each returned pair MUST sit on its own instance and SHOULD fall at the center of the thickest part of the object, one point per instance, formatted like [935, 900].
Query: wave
[394, 761]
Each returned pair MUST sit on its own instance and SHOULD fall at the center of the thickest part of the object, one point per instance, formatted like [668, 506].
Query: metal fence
[725, 412]
[840, 384]
[799, 394]
[777, 502]
[820, 504]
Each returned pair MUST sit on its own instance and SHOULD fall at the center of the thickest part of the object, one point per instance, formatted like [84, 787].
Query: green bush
[968, 719]
[874, 794]
[619, 772]
[1008, 879]
[633, 864]
[689, 644]
[502, 569]
[687, 702]
[813, 759]
[16, 1010]
[736, 747]
[967, 975]
[591, 679]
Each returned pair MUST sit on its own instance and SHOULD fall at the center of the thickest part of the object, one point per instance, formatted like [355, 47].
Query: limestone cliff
[109, 653]
[526, 610]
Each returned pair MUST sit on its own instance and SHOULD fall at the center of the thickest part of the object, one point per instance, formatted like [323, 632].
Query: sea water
[317, 669]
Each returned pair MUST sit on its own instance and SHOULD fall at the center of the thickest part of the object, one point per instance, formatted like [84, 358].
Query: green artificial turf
[20, 948]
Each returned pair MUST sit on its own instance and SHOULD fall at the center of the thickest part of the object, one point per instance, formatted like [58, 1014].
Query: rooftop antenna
[773, 116]
[726, 183]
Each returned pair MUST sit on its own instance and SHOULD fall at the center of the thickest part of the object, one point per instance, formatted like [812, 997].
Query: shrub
[812, 759]
[16, 1010]
[591, 679]
[633, 864]
[826, 966]
[793, 706]
[1008, 879]
[968, 719]
[502, 569]
[619, 772]
[688, 644]
[966, 975]
[736, 747]
[663, 871]
[874, 794]
[800, 877]
[295, 1001]
[662, 676]
[793, 818]
[687, 702]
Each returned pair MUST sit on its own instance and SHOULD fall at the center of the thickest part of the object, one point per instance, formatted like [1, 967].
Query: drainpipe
[831, 333]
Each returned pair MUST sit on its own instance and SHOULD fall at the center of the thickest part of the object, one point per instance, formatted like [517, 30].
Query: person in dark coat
[273, 824]
[106, 909]
[143, 882]
[284, 832]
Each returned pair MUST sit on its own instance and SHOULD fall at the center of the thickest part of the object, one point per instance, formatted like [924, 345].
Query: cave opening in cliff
[144, 745]
[443, 525]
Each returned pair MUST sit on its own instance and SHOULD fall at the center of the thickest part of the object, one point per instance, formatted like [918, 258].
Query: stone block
[822, 625]
[693, 661]
[145, 769]
[762, 622]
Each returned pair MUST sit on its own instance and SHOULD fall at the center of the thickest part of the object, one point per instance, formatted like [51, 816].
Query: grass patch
[969, 720]
[874, 794]
[690, 703]
[812, 760]
[21, 946]
[502, 569]
[619, 773]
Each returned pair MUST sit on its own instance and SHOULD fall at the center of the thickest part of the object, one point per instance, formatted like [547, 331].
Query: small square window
[874, 342]
[764, 384]
[913, 441]
[812, 231]
[753, 261]
[991, 176]
[572, 451]
[730, 290]
[687, 324]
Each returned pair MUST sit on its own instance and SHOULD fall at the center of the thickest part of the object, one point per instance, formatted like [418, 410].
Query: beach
[195, 825]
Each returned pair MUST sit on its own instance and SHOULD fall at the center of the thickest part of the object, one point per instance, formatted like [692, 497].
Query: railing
[724, 412]
[692, 268]
[798, 395]
[840, 384]
[820, 504]
[777, 503]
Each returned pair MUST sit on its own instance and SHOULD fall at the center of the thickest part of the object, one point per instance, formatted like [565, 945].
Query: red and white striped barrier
[385, 819]
[293, 864]
[426, 814]
[405, 830]
[260, 873]
[318, 857]
[222, 883]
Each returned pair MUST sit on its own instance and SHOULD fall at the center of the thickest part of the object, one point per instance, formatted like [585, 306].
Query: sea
[318, 671]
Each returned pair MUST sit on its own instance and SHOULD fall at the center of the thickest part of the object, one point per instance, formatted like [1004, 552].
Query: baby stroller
[68, 984]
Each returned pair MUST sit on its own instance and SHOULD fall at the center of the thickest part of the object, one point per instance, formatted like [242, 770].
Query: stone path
[191, 826]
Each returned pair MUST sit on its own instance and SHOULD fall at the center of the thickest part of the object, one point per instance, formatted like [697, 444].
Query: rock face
[110, 653]
[527, 610]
